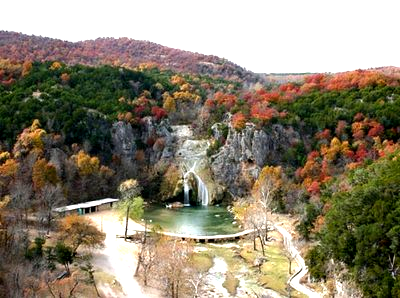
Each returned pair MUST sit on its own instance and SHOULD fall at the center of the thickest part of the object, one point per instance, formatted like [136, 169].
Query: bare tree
[173, 260]
[24, 280]
[290, 259]
[50, 196]
[66, 290]
[255, 219]
[88, 268]
[21, 194]
[196, 280]
[147, 258]
[268, 189]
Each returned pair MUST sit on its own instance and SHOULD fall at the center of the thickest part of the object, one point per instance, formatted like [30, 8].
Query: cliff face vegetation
[70, 133]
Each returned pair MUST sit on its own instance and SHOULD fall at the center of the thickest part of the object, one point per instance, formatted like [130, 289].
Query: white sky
[260, 35]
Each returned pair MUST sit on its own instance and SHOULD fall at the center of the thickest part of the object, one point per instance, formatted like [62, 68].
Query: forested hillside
[361, 229]
[73, 108]
[339, 175]
[117, 52]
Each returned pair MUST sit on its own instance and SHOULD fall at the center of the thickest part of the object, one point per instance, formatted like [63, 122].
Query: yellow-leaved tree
[169, 102]
[87, 165]
[30, 140]
[44, 173]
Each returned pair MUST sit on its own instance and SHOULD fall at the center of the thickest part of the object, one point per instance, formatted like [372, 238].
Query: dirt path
[118, 258]
[295, 279]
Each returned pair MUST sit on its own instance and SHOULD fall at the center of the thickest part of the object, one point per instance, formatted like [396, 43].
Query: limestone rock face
[161, 134]
[123, 139]
[234, 168]
[245, 152]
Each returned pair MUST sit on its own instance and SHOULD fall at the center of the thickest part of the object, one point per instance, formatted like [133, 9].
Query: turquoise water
[199, 220]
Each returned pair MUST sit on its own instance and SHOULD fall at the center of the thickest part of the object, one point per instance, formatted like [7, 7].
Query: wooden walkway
[212, 238]
[204, 238]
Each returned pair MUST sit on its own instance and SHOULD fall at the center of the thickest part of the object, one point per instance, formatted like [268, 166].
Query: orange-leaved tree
[80, 231]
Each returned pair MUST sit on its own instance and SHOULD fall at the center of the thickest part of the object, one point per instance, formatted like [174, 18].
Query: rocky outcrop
[123, 139]
[161, 138]
[245, 152]
[156, 137]
[235, 166]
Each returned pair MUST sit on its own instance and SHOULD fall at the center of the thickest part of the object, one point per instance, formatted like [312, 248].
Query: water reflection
[201, 220]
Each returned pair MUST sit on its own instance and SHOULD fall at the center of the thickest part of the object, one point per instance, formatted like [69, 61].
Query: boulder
[175, 205]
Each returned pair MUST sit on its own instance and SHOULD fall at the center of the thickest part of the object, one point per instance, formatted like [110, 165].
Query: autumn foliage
[117, 52]
[86, 165]
[238, 121]
[336, 155]
[78, 231]
[42, 173]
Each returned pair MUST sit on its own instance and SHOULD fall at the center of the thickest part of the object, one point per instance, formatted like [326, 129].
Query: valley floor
[116, 262]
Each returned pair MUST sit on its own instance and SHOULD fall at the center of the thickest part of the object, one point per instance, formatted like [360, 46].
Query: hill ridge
[118, 51]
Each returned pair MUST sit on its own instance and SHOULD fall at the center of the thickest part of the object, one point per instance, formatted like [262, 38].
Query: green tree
[310, 213]
[36, 250]
[64, 255]
[131, 203]
[362, 230]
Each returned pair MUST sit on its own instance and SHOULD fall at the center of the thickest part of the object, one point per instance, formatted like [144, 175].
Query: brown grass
[231, 283]
[202, 261]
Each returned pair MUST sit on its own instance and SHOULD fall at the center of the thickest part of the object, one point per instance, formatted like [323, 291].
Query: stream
[216, 277]
[225, 261]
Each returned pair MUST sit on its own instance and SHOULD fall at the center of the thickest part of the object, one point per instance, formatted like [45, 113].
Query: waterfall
[192, 155]
[202, 191]
[186, 201]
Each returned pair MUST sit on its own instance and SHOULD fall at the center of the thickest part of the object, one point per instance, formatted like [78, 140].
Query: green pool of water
[199, 220]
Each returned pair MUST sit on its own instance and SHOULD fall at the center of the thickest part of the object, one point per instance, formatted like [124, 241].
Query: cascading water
[186, 201]
[193, 157]
[202, 191]
[186, 188]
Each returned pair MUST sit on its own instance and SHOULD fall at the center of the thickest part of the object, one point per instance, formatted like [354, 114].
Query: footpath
[294, 280]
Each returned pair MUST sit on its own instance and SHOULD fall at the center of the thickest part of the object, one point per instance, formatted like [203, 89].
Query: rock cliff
[123, 140]
[157, 138]
[238, 162]
[235, 166]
